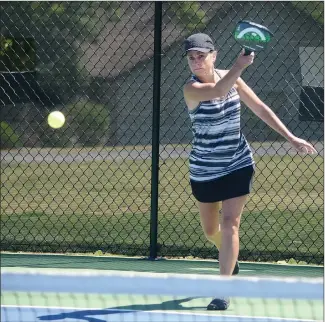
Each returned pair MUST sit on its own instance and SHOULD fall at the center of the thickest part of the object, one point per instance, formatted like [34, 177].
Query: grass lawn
[105, 205]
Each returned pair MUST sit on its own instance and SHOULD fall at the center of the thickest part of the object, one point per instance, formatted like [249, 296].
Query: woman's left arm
[268, 116]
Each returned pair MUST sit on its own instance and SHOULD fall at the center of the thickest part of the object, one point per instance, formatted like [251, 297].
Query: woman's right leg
[211, 225]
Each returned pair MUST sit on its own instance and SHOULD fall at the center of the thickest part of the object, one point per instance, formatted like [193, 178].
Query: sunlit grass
[108, 202]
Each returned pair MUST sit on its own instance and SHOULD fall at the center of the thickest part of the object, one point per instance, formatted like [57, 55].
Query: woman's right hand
[244, 61]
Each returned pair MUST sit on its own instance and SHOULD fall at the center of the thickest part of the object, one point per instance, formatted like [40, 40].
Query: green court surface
[26, 307]
[180, 266]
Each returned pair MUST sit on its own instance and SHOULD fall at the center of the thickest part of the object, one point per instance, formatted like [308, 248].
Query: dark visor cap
[199, 42]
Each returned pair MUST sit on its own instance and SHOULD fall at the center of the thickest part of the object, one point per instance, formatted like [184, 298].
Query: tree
[58, 29]
[312, 8]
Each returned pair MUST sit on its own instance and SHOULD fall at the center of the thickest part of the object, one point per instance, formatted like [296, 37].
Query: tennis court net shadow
[96, 315]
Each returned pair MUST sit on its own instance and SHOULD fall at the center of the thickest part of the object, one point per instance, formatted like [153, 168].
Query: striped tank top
[218, 145]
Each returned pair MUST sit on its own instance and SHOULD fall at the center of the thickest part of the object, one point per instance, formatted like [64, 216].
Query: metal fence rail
[115, 176]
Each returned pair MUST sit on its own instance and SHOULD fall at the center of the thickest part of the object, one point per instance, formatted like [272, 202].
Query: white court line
[144, 315]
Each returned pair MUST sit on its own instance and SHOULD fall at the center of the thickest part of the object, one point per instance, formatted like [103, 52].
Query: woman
[221, 162]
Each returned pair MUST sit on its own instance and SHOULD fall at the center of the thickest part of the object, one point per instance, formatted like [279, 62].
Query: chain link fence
[88, 186]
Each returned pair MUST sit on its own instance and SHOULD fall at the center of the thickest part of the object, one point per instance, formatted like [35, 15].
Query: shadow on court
[90, 314]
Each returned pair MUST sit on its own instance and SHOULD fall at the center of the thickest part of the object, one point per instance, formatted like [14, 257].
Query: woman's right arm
[195, 91]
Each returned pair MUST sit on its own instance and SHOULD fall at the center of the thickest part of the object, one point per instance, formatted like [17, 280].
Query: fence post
[155, 131]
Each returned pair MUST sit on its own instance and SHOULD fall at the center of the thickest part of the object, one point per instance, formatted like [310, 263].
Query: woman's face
[201, 63]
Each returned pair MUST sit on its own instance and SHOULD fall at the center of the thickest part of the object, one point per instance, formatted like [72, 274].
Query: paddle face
[252, 36]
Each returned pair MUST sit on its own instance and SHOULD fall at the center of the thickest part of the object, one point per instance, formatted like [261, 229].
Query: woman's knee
[231, 223]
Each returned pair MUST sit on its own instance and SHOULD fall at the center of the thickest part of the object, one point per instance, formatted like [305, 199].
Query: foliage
[88, 122]
[8, 137]
[17, 55]
[190, 14]
[57, 29]
[313, 8]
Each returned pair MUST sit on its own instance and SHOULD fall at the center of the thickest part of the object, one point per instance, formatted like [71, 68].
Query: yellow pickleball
[56, 119]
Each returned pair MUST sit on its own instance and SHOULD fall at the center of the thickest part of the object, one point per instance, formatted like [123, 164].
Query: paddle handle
[247, 52]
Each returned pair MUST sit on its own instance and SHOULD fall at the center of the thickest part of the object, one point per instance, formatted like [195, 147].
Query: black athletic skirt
[235, 184]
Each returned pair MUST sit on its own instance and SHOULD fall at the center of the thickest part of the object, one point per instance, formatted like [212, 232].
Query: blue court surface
[28, 314]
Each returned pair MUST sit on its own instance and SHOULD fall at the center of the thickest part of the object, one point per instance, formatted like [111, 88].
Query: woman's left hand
[302, 146]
